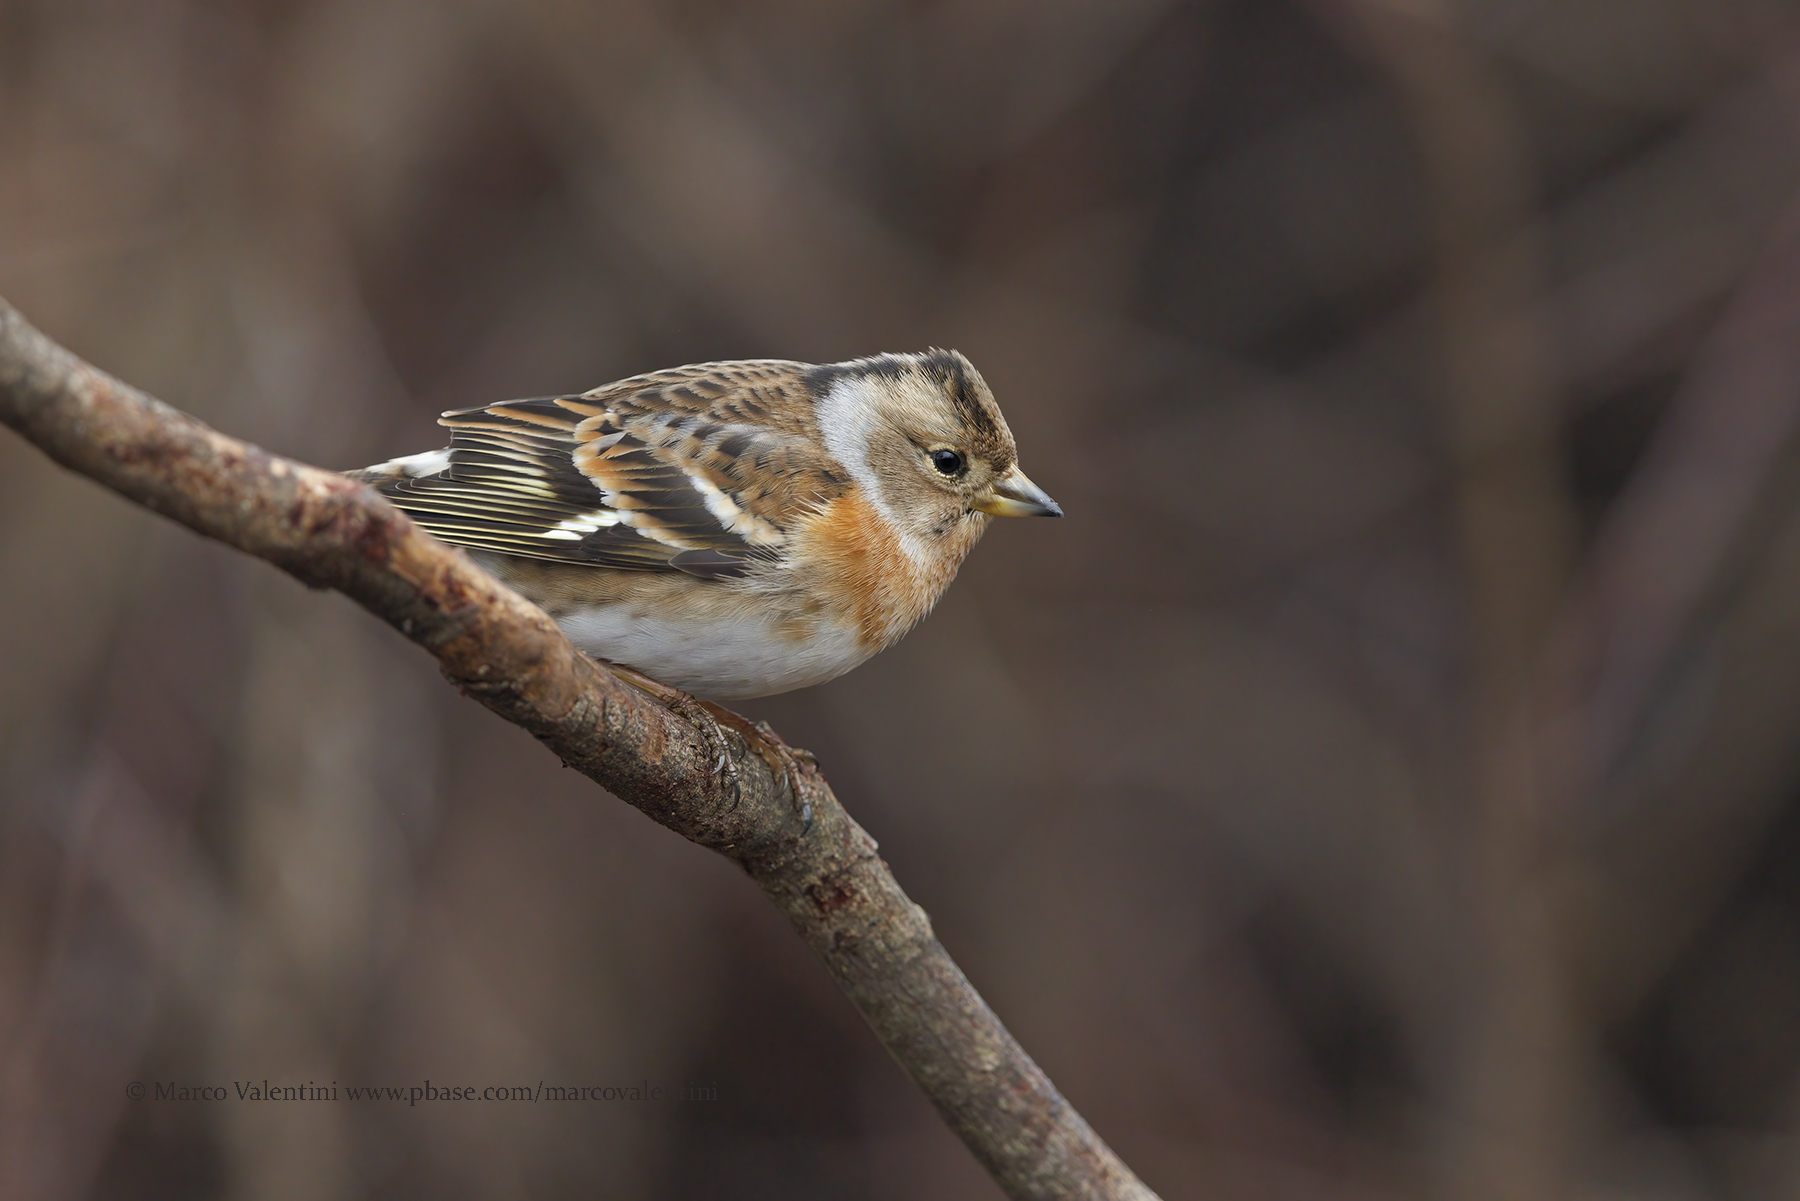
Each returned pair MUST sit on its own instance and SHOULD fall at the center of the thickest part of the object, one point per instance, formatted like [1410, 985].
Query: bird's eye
[948, 462]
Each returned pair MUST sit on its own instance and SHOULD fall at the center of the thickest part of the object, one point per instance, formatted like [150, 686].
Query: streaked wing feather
[691, 470]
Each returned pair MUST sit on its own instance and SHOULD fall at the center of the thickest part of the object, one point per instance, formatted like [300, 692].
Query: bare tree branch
[330, 532]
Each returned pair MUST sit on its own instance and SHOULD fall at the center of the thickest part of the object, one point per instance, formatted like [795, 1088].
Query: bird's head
[922, 435]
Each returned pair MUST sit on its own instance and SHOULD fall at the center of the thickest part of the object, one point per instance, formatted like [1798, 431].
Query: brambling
[732, 529]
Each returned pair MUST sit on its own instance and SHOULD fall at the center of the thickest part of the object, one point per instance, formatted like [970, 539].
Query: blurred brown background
[1383, 785]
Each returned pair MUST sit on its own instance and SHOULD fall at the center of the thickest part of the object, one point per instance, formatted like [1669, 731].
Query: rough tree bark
[330, 532]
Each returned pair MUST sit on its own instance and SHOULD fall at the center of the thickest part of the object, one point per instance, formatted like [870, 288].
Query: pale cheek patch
[847, 416]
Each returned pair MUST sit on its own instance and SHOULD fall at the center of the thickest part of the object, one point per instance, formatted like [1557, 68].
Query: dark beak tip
[1055, 510]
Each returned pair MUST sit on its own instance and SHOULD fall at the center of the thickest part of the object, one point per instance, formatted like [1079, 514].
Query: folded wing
[691, 471]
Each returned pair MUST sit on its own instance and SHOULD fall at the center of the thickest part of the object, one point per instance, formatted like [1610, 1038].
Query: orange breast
[853, 560]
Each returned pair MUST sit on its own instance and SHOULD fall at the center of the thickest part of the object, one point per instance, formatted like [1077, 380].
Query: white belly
[728, 660]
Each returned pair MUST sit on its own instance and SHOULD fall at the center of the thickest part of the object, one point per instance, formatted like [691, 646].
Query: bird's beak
[1013, 495]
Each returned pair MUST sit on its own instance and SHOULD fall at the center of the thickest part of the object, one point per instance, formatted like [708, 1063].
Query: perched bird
[732, 529]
